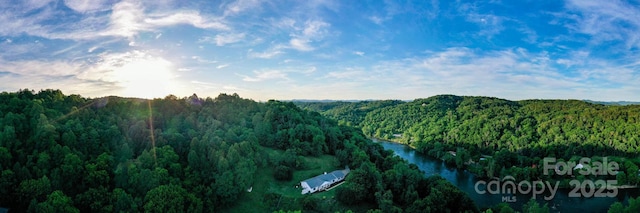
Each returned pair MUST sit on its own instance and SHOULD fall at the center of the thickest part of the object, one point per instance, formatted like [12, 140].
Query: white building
[323, 181]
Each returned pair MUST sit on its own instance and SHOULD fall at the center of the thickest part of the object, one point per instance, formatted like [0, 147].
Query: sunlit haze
[323, 49]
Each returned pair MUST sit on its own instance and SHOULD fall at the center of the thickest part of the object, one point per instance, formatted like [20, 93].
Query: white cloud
[489, 24]
[133, 73]
[300, 44]
[266, 75]
[12, 49]
[530, 35]
[239, 6]
[347, 74]
[510, 73]
[302, 34]
[67, 49]
[576, 58]
[233, 88]
[15, 23]
[126, 18]
[42, 68]
[360, 53]
[202, 60]
[222, 66]
[315, 29]
[59, 74]
[284, 23]
[376, 19]
[312, 31]
[310, 70]
[188, 17]
[84, 6]
[266, 55]
[203, 83]
[391, 8]
[224, 38]
[32, 4]
[605, 21]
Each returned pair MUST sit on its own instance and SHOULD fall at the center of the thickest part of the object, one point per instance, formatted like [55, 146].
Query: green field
[286, 195]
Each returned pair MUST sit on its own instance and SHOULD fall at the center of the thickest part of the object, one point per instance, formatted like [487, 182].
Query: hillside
[530, 127]
[62, 153]
[346, 112]
[514, 133]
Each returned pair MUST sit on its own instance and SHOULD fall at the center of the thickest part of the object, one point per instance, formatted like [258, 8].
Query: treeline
[559, 128]
[633, 205]
[63, 153]
[347, 113]
[516, 133]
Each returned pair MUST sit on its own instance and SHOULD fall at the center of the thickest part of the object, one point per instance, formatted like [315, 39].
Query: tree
[349, 194]
[57, 202]
[95, 200]
[283, 173]
[72, 172]
[310, 203]
[632, 173]
[533, 207]
[634, 205]
[361, 185]
[503, 208]
[171, 198]
[34, 188]
[616, 207]
[5, 158]
[621, 178]
[7, 180]
[225, 188]
[122, 201]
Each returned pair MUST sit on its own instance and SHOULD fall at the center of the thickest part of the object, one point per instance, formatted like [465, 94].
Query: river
[466, 182]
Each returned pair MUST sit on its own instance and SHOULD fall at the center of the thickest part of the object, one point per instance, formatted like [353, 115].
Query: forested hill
[62, 153]
[494, 124]
[346, 112]
[514, 132]
[558, 128]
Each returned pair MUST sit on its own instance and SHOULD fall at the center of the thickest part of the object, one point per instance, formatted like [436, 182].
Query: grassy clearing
[269, 195]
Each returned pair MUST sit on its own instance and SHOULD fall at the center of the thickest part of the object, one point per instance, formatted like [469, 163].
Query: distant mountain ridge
[326, 100]
[619, 103]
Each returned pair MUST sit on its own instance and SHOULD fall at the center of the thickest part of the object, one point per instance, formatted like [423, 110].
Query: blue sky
[323, 49]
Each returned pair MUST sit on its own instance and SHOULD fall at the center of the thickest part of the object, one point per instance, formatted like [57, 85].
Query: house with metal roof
[323, 181]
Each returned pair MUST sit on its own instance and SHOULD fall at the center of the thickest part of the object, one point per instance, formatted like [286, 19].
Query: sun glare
[145, 78]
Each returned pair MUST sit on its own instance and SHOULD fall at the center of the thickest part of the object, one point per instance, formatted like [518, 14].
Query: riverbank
[466, 181]
[374, 139]
[474, 167]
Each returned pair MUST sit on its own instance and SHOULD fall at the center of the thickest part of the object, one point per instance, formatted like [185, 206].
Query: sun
[145, 78]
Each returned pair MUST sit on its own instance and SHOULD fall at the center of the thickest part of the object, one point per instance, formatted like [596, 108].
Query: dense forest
[495, 137]
[67, 153]
[347, 113]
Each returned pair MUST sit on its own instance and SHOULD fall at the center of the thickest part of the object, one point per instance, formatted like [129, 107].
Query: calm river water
[467, 181]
